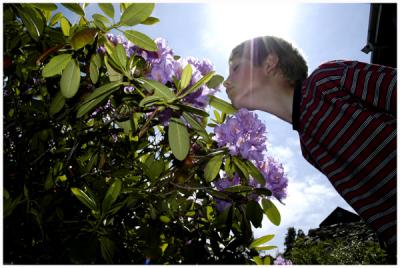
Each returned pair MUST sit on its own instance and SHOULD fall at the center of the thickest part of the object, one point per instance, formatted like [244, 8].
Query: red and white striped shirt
[345, 113]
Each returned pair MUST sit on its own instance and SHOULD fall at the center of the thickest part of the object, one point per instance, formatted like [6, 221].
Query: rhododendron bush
[116, 150]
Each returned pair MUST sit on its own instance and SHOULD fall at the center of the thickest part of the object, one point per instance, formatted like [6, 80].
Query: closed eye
[235, 67]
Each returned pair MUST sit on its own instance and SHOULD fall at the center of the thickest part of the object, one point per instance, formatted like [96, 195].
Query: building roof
[340, 215]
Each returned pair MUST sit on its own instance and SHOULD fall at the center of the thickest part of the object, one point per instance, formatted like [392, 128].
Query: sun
[228, 24]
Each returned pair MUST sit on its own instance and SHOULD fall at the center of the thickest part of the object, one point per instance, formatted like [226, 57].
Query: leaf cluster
[91, 175]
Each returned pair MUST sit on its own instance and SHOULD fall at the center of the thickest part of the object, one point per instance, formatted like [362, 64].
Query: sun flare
[233, 23]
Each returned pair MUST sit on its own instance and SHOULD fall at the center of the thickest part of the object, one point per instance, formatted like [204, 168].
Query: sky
[322, 32]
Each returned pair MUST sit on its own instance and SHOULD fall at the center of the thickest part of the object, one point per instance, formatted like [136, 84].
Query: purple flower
[222, 184]
[164, 116]
[101, 49]
[158, 56]
[244, 135]
[222, 204]
[204, 66]
[164, 71]
[227, 182]
[276, 181]
[281, 261]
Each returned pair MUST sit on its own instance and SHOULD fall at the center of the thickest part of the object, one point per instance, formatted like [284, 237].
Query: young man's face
[242, 80]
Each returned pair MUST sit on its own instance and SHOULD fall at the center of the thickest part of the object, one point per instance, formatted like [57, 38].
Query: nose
[227, 84]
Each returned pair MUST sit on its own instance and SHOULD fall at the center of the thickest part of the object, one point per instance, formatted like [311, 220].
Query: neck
[277, 99]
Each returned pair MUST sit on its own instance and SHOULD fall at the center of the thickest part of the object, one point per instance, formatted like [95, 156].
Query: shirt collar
[296, 105]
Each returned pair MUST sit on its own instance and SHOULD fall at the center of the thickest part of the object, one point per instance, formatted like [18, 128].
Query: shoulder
[328, 71]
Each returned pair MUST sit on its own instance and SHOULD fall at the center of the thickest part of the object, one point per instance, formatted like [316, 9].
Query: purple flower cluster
[130, 48]
[276, 181]
[165, 67]
[243, 135]
[282, 261]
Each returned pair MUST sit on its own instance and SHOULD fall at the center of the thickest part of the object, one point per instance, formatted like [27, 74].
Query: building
[382, 34]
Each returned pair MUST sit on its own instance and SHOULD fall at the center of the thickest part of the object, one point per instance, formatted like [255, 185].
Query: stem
[189, 187]
[147, 124]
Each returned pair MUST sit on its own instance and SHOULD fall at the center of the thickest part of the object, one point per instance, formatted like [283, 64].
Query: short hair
[291, 62]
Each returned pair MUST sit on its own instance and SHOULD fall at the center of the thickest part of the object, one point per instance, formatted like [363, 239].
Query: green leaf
[229, 167]
[191, 109]
[150, 21]
[33, 21]
[107, 248]
[84, 198]
[65, 26]
[271, 211]
[261, 240]
[141, 40]
[165, 219]
[258, 260]
[103, 90]
[198, 84]
[159, 89]
[120, 56]
[254, 213]
[136, 13]
[101, 18]
[56, 104]
[210, 213]
[47, 6]
[196, 126]
[95, 64]
[215, 81]
[70, 79]
[112, 194]
[150, 100]
[100, 25]
[56, 18]
[126, 125]
[113, 74]
[123, 6]
[56, 65]
[222, 105]
[241, 166]
[267, 260]
[218, 194]
[153, 167]
[238, 189]
[76, 8]
[108, 9]
[218, 118]
[83, 37]
[213, 167]
[178, 138]
[98, 96]
[255, 172]
[186, 77]
[262, 191]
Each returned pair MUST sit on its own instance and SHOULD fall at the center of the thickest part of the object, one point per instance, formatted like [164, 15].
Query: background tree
[289, 241]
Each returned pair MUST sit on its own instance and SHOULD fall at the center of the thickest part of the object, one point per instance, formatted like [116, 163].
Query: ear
[270, 63]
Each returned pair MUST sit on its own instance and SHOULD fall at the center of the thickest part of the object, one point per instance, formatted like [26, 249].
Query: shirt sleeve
[375, 85]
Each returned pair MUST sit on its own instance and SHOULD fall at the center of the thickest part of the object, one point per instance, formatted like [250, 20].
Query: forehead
[238, 58]
[241, 53]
